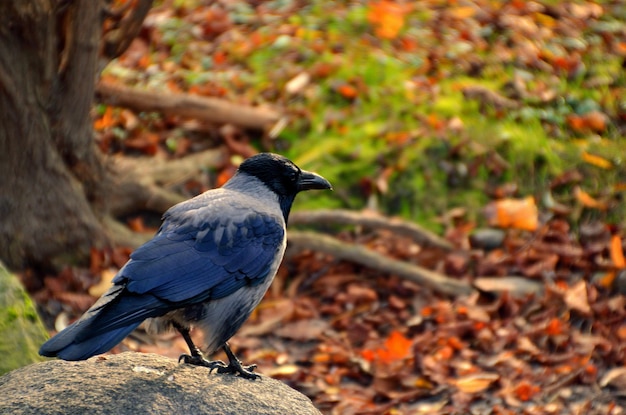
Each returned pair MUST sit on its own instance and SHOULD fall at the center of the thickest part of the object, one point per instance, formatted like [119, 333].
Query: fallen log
[213, 110]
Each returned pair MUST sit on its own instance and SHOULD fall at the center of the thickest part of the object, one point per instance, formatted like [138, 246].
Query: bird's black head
[283, 177]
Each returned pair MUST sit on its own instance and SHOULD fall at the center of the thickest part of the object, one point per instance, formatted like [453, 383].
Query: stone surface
[138, 383]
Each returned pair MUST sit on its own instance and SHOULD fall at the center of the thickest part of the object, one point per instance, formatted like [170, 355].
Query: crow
[208, 266]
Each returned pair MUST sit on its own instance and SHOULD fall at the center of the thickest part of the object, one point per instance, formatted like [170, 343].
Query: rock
[21, 330]
[141, 383]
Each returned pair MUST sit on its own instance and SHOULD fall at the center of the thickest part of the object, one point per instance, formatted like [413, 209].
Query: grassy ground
[421, 107]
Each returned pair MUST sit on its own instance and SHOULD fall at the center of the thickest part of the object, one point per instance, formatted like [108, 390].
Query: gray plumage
[208, 266]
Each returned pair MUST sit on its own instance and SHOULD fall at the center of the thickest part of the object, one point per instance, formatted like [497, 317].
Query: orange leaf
[387, 18]
[596, 121]
[435, 122]
[444, 354]
[576, 122]
[597, 161]
[587, 201]
[606, 280]
[347, 91]
[224, 176]
[219, 57]
[136, 224]
[107, 120]
[513, 213]
[554, 327]
[525, 391]
[396, 347]
[617, 253]
[462, 12]
[144, 61]
[591, 369]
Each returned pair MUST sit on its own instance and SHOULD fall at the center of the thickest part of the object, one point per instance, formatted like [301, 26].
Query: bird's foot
[233, 367]
[196, 360]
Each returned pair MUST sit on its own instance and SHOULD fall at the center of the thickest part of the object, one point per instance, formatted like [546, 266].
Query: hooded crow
[208, 267]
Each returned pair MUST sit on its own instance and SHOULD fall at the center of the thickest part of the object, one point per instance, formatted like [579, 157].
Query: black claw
[234, 365]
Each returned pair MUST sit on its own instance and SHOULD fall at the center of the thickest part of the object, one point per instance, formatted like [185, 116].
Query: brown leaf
[576, 298]
[271, 314]
[303, 330]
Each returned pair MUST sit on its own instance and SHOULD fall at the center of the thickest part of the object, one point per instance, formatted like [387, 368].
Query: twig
[395, 225]
[213, 110]
[361, 255]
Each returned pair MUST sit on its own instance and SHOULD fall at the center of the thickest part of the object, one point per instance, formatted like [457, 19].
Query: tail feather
[105, 324]
[87, 348]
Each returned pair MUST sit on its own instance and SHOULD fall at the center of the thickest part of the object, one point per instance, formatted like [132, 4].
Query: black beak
[310, 180]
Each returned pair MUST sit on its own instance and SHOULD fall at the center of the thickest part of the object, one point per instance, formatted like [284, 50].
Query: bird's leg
[195, 357]
[235, 366]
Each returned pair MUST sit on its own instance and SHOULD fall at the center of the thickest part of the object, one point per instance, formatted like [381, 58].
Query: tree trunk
[52, 178]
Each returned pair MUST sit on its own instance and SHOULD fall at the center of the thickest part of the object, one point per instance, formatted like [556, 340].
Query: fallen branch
[361, 255]
[138, 183]
[213, 110]
[372, 221]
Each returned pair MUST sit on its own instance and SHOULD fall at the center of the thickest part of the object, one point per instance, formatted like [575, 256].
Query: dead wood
[213, 110]
[371, 221]
[140, 183]
[361, 255]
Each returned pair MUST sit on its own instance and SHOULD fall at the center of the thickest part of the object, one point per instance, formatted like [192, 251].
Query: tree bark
[51, 177]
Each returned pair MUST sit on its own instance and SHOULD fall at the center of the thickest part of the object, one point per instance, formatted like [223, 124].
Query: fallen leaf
[476, 383]
[587, 201]
[387, 18]
[525, 391]
[106, 280]
[576, 298]
[347, 91]
[106, 121]
[513, 213]
[303, 330]
[396, 347]
[462, 12]
[596, 160]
